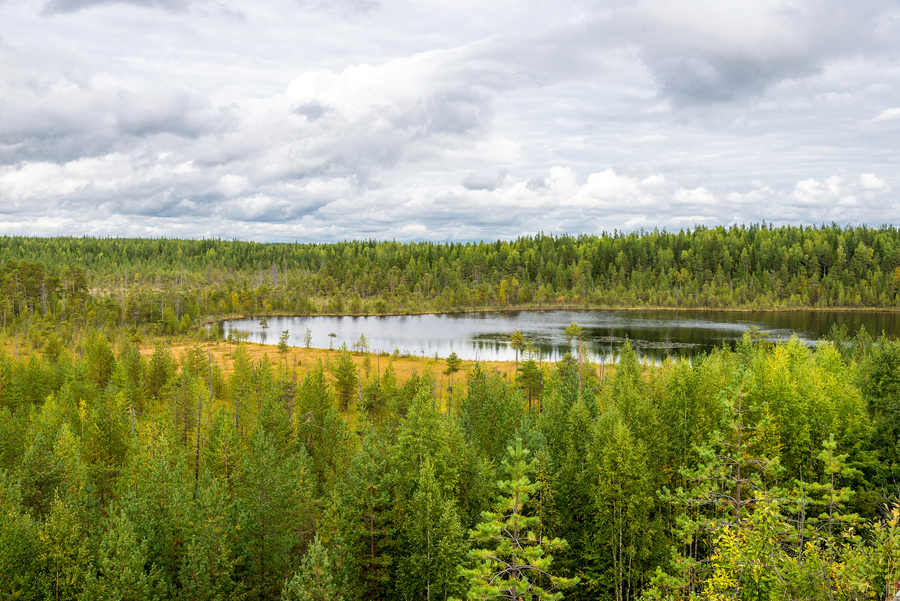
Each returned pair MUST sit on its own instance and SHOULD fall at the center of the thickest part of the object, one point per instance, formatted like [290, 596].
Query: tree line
[174, 283]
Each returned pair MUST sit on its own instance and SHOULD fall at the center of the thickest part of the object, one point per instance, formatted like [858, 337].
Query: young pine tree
[510, 560]
[345, 378]
[121, 573]
[314, 581]
[367, 524]
[434, 542]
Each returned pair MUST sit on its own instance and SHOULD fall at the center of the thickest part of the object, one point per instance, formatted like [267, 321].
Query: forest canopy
[756, 266]
[143, 457]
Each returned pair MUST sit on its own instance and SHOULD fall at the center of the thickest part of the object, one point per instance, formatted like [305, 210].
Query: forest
[143, 457]
[175, 284]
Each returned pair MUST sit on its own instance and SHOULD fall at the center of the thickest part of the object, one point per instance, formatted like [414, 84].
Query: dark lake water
[485, 336]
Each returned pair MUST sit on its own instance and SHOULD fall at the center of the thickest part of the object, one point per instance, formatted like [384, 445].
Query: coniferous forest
[142, 457]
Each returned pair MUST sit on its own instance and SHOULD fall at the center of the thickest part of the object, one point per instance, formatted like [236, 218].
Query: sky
[444, 120]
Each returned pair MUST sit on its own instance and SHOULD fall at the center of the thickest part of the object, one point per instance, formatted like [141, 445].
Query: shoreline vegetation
[748, 268]
[142, 456]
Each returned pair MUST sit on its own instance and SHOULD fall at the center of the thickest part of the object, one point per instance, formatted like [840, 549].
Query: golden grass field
[223, 352]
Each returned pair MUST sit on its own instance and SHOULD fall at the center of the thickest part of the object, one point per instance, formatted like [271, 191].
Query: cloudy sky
[320, 120]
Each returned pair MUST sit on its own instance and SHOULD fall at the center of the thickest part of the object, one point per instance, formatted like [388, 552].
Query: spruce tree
[274, 508]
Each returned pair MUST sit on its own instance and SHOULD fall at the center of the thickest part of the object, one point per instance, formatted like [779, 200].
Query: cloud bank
[447, 121]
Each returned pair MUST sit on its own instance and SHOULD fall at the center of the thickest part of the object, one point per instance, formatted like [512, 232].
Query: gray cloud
[70, 6]
[343, 7]
[485, 181]
[707, 51]
[179, 113]
[311, 110]
[353, 119]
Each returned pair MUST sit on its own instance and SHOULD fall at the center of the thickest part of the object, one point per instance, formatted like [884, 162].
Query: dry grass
[306, 359]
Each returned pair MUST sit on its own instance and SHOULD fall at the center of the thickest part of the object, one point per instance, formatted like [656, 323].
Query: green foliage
[170, 282]
[282, 342]
[160, 370]
[273, 505]
[626, 531]
[530, 379]
[321, 430]
[41, 474]
[362, 344]
[573, 332]
[367, 528]
[491, 411]
[65, 560]
[314, 580]
[765, 455]
[433, 542]
[120, 573]
[99, 359]
[106, 443]
[346, 380]
[207, 569]
[510, 560]
[18, 544]
[517, 343]
[454, 364]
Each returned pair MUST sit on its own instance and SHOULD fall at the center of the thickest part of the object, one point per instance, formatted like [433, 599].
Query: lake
[655, 334]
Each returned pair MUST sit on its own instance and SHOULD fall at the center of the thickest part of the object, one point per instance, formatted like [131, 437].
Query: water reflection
[654, 334]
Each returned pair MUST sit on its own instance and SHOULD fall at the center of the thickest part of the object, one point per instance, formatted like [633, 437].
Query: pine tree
[156, 497]
[41, 473]
[517, 343]
[64, 558]
[207, 568]
[434, 543]
[160, 370]
[106, 443]
[320, 429]
[283, 343]
[314, 581]
[274, 510]
[530, 378]
[510, 560]
[345, 378]
[368, 526]
[99, 360]
[121, 574]
[454, 364]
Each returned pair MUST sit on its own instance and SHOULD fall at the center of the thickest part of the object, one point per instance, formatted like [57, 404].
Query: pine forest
[144, 456]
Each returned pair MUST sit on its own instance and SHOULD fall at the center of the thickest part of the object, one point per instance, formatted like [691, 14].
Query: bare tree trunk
[197, 449]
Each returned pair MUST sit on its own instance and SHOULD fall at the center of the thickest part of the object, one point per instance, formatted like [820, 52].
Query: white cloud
[891, 114]
[298, 119]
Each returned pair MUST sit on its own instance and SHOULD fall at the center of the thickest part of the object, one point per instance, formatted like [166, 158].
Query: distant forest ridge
[753, 266]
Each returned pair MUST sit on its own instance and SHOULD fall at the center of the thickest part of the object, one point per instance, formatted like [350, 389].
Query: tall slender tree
[510, 560]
